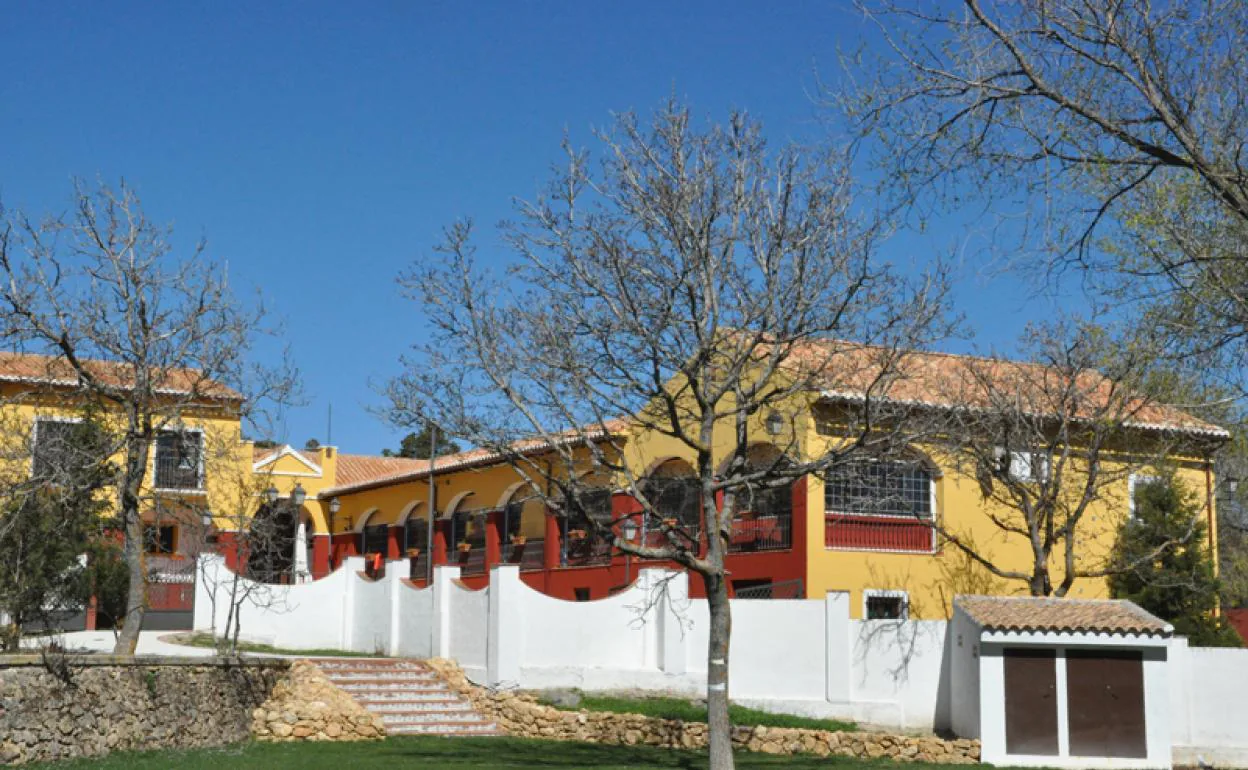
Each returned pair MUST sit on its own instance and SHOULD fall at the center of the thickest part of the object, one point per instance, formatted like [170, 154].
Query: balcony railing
[529, 555]
[586, 551]
[878, 533]
[751, 533]
[177, 473]
[472, 562]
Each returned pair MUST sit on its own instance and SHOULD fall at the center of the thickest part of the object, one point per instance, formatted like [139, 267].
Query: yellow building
[879, 530]
[874, 530]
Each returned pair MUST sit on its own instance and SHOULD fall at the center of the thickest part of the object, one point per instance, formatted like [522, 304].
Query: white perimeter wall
[799, 656]
[1209, 704]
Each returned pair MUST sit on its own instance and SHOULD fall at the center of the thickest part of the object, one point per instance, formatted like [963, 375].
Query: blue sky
[321, 147]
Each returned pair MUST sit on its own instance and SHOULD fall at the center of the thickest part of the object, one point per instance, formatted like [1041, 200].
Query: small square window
[161, 539]
[1024, 466]
[582, 594]
[890, 605]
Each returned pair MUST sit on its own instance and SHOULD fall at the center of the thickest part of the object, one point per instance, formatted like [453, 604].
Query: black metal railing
[584, 550]
[785, 589]
[177, 473]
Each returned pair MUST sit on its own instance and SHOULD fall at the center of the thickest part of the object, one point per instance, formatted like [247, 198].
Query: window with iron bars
[879, 488]
[179, 459]
[678, 499]
[581, 543]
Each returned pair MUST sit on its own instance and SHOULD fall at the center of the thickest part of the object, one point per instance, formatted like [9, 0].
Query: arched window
[374, 538]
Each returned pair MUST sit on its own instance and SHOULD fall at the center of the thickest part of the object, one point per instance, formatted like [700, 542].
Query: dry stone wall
[522, 715]
[306, 706]
[66, 707]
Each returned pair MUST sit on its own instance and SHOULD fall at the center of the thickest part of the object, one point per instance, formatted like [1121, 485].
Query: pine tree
[1166, 568]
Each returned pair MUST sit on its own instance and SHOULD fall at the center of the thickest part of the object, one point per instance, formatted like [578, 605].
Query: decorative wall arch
[453, 506]
[407, 512]
[362, 520]
[510, 493]
[654, 466]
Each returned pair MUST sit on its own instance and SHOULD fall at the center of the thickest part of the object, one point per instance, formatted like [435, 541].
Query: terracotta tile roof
[55, 371]
[847, 369]
[1029, 613]
[368, 471]
[356, 469]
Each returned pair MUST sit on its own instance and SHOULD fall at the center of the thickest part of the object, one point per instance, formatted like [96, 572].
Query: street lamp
[774, 423]
[1232, 484]
[629, 529]
[270, 495]
[297, 495]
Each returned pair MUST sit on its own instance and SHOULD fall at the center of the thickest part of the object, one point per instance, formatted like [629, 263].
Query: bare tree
[131, 326]
[1053, 442]
[1110, 134]
[695, 284]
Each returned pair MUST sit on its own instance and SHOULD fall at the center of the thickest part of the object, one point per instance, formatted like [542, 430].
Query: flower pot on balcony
[576, 534]
[412, 553]
[519, 539]
[465, 547]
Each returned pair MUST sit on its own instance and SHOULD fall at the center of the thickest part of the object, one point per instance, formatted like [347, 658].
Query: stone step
[373, 678]
[414, 707]
[395, 669]
[433, 717]
[385, 685]
[404, 696]
[450, 731]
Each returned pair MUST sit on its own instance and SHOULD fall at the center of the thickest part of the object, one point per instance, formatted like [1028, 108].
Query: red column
[800, 527]
[550, 549]
[92, 608]
[394, 543]
[493, 544]
[440, 536]
[320, 556]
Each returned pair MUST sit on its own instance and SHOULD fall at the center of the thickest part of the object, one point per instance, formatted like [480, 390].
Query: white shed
[1061, 682]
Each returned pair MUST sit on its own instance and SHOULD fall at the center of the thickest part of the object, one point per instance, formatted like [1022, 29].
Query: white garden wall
[1209, 704]
[797, 656]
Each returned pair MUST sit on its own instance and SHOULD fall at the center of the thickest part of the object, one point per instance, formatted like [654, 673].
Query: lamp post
[334, 507]
[774, 423]
[628, 531]
[297, 495]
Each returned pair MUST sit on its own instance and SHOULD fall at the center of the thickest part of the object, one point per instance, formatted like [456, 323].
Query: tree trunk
[719, 727]
[132, 522]
[136, 594]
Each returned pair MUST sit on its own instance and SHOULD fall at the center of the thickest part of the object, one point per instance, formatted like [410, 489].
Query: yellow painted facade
[236, 477]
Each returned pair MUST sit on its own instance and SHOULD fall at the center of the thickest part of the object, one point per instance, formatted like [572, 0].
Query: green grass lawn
[462, 753]
[682, 708]
[206, 641]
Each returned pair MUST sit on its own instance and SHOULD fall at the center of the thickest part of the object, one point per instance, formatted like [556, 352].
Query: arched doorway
[272, 537]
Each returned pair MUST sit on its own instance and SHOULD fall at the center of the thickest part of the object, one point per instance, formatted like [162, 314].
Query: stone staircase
[410, 698]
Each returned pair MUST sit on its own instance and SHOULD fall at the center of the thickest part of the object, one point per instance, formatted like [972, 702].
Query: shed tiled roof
[56, 372]
[847, 369]
[1040, 614]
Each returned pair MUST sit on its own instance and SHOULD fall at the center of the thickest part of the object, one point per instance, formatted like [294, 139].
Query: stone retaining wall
[306, 706]
[87, 706]
[522, 716]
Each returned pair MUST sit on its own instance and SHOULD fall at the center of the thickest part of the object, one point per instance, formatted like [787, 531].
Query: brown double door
[1104, 702]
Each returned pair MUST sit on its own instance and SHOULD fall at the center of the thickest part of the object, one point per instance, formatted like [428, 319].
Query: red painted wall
[1239, 621]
